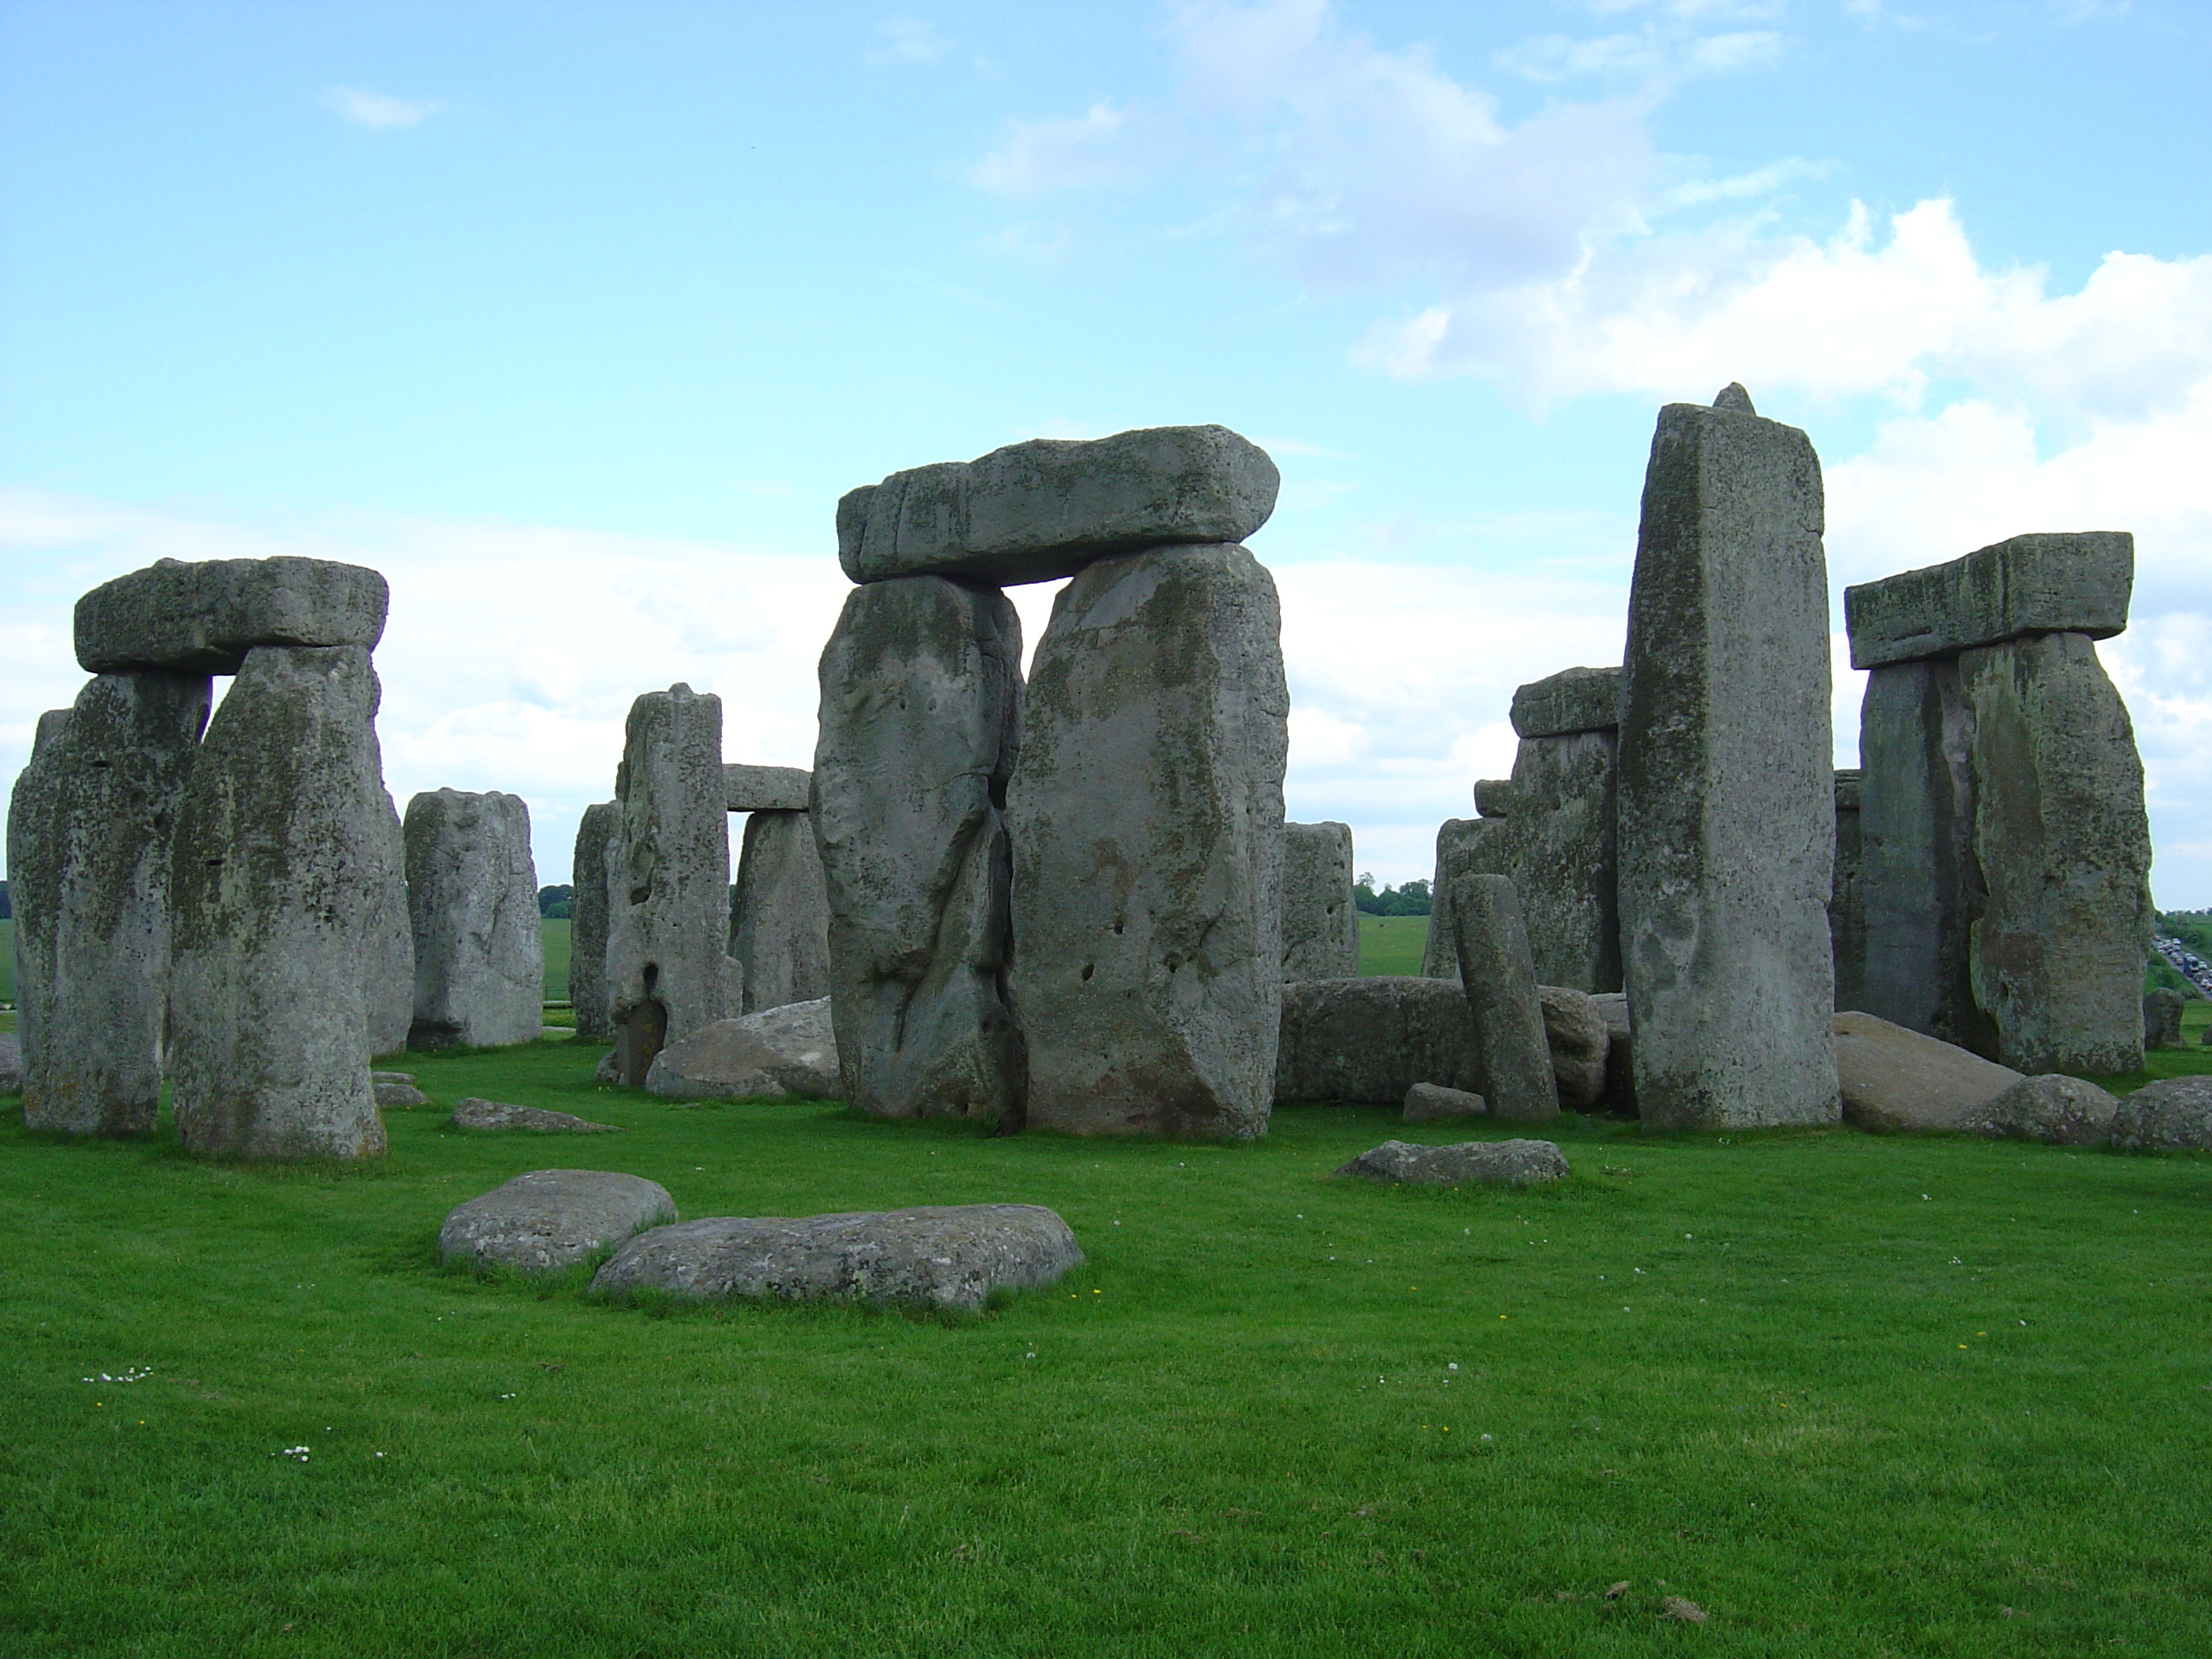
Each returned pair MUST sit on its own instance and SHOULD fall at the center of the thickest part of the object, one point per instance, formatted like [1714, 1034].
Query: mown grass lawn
[1392, 944]
[555, 931]
[1847, 1395]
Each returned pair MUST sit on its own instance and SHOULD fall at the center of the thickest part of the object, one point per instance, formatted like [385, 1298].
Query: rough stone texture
[2063, 848]
[1496, 797]
[1035, 511]
[89, 838]
[1573, 700]
[2161, 1011]
[779, 912]
[473, 902]
[597, 831]
[283, 812]
[608, 1069]
[1580, 1040]
[391, 1077]
[1727, 803]
[1146, 820]
[2174, 1115]
[1432, 1102]
[204, 618]
[920, 716]
[2059, 1110]
[1321, 924]
[766, 788]
[1489, 1163]
[395, 1096]
[1371, 1039]
[667, 973]
[1896, 1079]
[950, 1256]
[2075, 583]
[388, 959]
[778, 1052]
[1846, 903]
[1513, 1061]
[1464, 847]
[11, 1064]
[553, 1218]
[475, 1114]
[1560, 845]
[1620, 1054]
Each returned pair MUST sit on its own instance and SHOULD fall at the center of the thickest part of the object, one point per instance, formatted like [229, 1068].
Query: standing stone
[1465, 846]
[472, 898]
[88, 835]
[2162, 1018]
[1146, 815]
[1562, 849]
[280, 816]
[779, 912]
[597, 830]
[667, 974]
[1321, 924]
[387, 962]
[1846, 905]
[1513, 1057]
[920, 717]
[1727, 797]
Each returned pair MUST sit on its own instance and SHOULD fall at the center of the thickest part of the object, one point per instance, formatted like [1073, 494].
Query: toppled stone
[472, 898]
[1572, 700]
[397, 1096]
[2162, 1018]
[766, 788]
[779, 1052]
[392, 1077]
[1320, 923]
[2172, 1115]
[475, 1114]
[608, 1069]
[1488, 1163]
[948, 1257]
[1036, 511]
[779, 912]
[11, 1065]
[597, 831]
[204, 618]
[1371, 1039]
[2054, 1109]
[1895, 1078]
[1580, 1039]
[1513, 1060]
[1146, 817]
[553, 1218]
[2075, 583]
[1432, 1102]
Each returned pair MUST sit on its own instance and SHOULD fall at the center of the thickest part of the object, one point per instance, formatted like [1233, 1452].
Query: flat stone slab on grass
[1470, 1163]
[398, 1096]
[950, 1256]
[2172, 1115]
[1895, 1078]
[771, 1055]
[475, 1114]
[2055, 1109]
[1432, 1102]
[553, 1218]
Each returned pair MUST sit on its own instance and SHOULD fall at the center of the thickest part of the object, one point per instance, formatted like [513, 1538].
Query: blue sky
[576, 320]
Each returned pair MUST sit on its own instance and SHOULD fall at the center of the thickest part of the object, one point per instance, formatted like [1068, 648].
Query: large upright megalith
[1727, 793]
[1561, 847]
[89, 833]
[1846, 900]
[597, 829]
[921, 718]
[668, 972]
[1146, 816]
[1513, 1057]
[1321, 924]
[387, 960]
[780, 912]
[472, 899]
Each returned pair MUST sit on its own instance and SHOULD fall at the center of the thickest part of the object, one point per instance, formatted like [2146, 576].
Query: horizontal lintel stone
[1573, 700]
[203, 617]
[767, 788]
[2071, 583]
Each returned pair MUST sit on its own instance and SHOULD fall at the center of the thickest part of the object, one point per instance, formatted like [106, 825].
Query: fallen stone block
[1471, 1163]
[950, 1256]
[2074, 583]
[1371, 1039]
[2054, 1109]
[204, 618]
[553, 1218]
[1896, 1079]
[398, 1097]
[769, 1055]
[766, 788]
[2172, 1115]
[1580, 1039]
[475, 1114]
[1432, 1102]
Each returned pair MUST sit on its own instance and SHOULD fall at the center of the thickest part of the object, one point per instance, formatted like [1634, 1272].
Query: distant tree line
[553, 903]
[1411, 900]
[7, 910]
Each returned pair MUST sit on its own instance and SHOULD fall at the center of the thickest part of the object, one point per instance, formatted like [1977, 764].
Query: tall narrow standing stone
[1321, 925]
[1562, 850]
[88, 833]
[921, 718]
[779, 912]
[387, 962]
[472, 897]
[1465, 846]
[596, 830]
[1727, 798]
[1846, 902]
[1146, 815]
[1513, 1057]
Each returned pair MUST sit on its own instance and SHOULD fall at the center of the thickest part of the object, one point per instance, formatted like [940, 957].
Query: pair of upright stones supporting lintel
[226, 908]
[2004, 881]
[1058, 902]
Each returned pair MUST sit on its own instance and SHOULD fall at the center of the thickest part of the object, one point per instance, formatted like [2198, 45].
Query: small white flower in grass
[1486, 1439]
[1453, 1366]
[506, 1397]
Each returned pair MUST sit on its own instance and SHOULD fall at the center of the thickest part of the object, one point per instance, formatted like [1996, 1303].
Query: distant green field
[1392, 944]
[556, 959]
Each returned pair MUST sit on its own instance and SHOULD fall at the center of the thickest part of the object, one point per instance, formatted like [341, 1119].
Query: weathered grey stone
[472, 899]
[1846, 903]
[1895, 1078]
[779, 1052]
[1035, 511]
[553, 1218]
[1432, 1102]
[1620, 1054]
[921, 715]
[2063, 848]
[1513, 1061]
[667, 973]
[387, 957]
[597, 833]
[204, 618]
[2056, 1109]
[475, 1114]
[1561, 847]
[2162, 1018]
[11, 1064]
[1464, 847]
[88, 838]
[391, 1077]
[1579, 1038]
[1727, 804]
[1146, 819]
[2076, 583]
[948, 1257]
[2173, 1115]
[1371, 1039]
[779, 912]
[766, 788]
[608, 1069]
[1488, 1163]
[1573, 700]
[282, 815]
[395, 1096]
[1321, 924]
[1495, 797]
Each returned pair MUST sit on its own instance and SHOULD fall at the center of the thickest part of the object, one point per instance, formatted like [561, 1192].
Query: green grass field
[556, 958]
[1392, 944]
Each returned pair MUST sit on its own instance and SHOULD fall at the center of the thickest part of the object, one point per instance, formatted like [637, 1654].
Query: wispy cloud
[378, 110]
[908, 40]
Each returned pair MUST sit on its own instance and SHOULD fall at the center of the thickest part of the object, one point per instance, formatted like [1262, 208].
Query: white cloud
[377, 110]
[1079, 151]
[909, 40]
